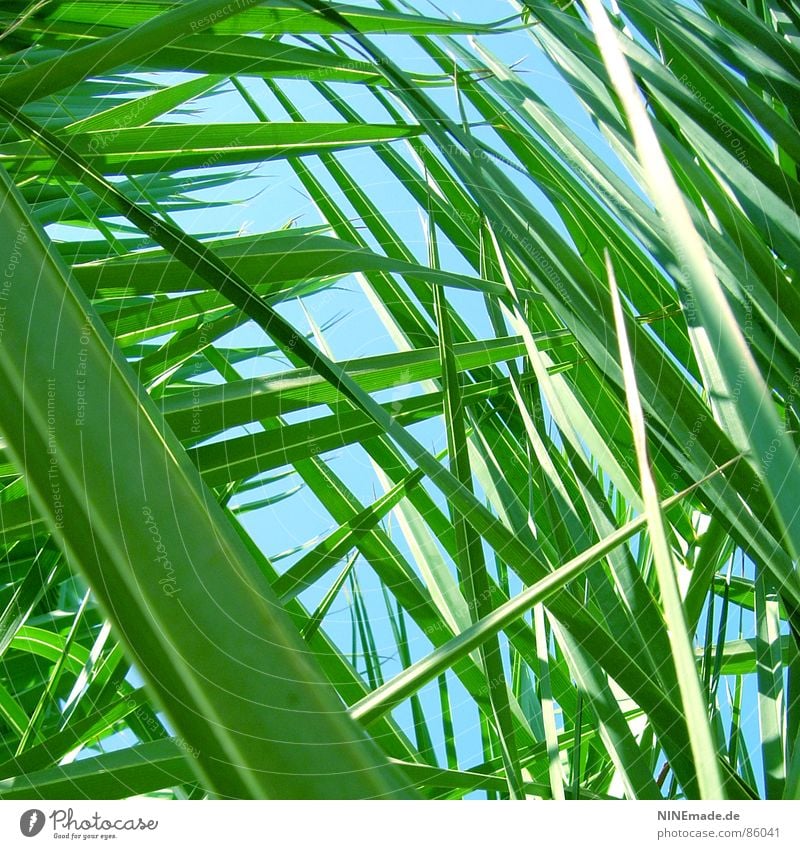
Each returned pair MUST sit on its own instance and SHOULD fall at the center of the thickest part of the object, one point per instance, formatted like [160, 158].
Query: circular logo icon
[31, 822]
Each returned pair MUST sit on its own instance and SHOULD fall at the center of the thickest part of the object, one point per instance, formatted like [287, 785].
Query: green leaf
[183, 547]
[173, 147]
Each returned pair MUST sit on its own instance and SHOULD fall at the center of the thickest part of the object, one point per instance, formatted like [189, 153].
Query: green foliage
[599, 564]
